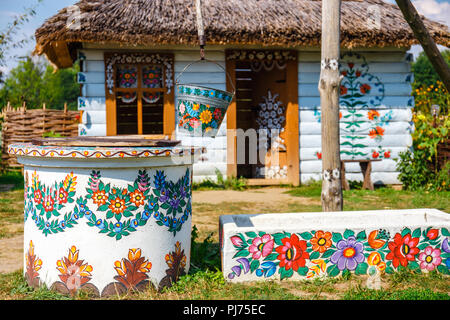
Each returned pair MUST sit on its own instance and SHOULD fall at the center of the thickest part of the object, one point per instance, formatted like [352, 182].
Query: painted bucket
[200, 109]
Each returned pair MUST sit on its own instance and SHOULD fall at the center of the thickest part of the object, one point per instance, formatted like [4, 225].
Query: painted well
[106, 219]
[327, 244]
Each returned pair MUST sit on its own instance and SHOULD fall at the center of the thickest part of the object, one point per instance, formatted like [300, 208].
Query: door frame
[292, 114]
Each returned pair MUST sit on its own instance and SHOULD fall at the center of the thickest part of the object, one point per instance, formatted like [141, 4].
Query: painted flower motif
[432, 234]
[375, 259]
[321, 241]
[430, 258]
[403, 249]
[319, 155]
[33, 265]
[261, 246]
[373, 114]
[375, 154]
[217, 114]
[206, 117]
[358, 73]
[292, 254]
[446, 246]
[48, 203]
[376, 240]
[99, 198]
[62, 196]
[365, 88]
[349, 254]
[387, 154]
[73, 272]
[182, 108]
[117, 206]
[137, 197]
[37, 196]
[194, 123]
[378, 131]
[343, 90]
[237, 241]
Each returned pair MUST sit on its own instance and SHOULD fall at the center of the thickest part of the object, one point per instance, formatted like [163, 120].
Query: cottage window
[140, 96]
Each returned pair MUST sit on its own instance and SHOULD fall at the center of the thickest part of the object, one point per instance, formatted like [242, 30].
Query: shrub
[418, 167]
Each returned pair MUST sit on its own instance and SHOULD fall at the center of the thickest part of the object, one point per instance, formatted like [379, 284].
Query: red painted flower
[343, 90]
[217, 114]
[378, 131]
[432, 234]
[62, 196]
[319, 155]
[37, 196]
[292, 253]
[195, 123]
[375, 155]
[351, 65]
[48, 203]
[403, 249]
[387, 154]
[358, 73]
[365, 88]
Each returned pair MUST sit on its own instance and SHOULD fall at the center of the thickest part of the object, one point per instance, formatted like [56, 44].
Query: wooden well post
[329, 85]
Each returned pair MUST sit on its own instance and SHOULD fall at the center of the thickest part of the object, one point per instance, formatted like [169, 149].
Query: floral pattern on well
[74, 274]
[176, 261]
[127, 209]
[45, 202]
[115, 211]
[131, 274]
[323, 253]
[33, 265]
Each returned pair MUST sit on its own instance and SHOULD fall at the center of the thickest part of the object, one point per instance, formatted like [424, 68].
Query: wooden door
[266, 99]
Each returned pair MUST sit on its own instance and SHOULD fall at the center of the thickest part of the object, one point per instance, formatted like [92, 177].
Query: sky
[438, 10]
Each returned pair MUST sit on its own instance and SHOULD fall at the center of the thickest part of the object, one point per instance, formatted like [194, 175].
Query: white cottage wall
[390, 109]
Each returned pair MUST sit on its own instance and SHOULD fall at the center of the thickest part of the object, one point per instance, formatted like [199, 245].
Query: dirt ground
[207, 207]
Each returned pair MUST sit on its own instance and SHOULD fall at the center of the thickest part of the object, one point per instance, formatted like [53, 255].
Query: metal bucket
[200, 109]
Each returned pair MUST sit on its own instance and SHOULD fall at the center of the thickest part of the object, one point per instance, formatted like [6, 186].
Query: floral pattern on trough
[201, 109]
[323, 253]
[131, 274]
[74, 274]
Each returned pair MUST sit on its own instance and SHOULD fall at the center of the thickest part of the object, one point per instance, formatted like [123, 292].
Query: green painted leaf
[443, 269]
[241, 253]
[306, 235]
[348, 233]
[413, 265]
[361, 268]
[254, 265]
[251, 234]
[333, 270]
[302, 271]
[336, 237]
[286, 273]
[271, 257]
[405, 231]
[445, 232]
[416, 233]
[328, 253]
[361, 235]
[314, 255]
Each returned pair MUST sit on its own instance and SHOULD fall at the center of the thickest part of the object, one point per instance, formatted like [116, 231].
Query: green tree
[36, 83]
[424, 73]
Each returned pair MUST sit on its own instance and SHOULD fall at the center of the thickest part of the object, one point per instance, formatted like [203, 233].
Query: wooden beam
[429, 46]
[62, 54]
[231, 122]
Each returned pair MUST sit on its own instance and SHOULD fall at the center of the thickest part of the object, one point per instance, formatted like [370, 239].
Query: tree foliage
[424, 73]
[35, 82]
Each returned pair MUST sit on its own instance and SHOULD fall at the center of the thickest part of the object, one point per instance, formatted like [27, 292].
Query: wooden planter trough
[107, 219]
[301, 246]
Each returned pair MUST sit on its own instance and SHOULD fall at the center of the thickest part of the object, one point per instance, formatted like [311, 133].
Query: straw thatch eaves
[261, 22]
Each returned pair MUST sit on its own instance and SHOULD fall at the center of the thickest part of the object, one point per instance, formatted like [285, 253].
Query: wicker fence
[21, 125]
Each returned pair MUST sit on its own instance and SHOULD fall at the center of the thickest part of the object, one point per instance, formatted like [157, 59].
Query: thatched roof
[286, 23]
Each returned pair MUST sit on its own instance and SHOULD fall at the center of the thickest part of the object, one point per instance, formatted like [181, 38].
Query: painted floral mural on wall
[323, 253]
[361, 94]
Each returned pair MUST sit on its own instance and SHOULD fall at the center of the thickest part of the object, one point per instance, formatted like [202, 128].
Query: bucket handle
[190, 64]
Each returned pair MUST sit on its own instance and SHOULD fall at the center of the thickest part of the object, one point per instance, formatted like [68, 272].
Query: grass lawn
[205, 280]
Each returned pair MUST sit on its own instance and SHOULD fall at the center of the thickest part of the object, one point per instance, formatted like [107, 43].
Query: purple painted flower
[164, 195]
[349, 254]
[174, 203]
[445, 246]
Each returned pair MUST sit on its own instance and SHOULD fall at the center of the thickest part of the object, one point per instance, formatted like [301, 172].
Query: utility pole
[429, 46]
[329, 85]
